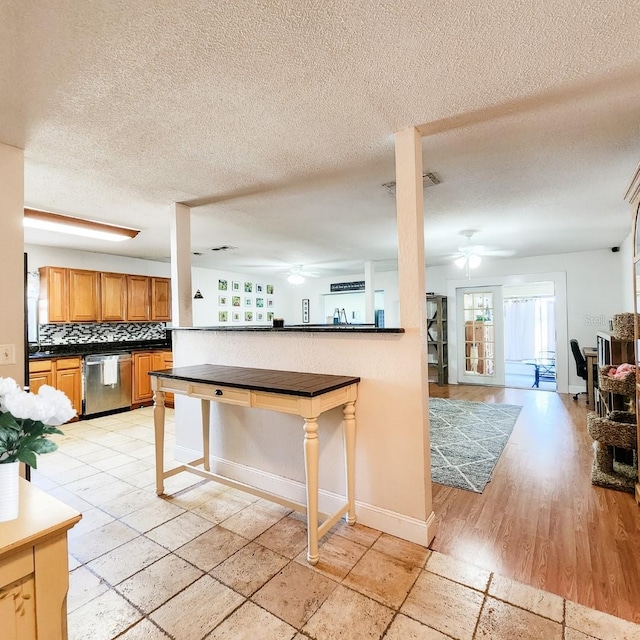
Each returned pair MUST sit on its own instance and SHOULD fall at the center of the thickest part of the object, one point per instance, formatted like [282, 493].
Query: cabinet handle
[218, 392]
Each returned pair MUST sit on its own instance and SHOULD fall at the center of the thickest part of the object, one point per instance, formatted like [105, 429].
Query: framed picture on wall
[235, 285]
[260, 302]
[259, 288]
[222, 285]
[269, 316]
[305, 310]
[248, 302]
[223, 301]
[248, 316]
[223, 316]
[259, 316]
[248, 287]
[270, 302]
[235, 301]
[270, 289]
[236, 316]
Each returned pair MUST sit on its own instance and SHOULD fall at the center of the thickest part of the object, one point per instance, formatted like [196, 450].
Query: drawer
[40, 366]
[67, 363]
[228, 395]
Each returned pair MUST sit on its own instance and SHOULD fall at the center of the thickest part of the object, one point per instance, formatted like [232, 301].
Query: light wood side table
[34, 567]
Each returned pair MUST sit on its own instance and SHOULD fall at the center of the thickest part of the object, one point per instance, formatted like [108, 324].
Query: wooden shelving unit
[437, 347]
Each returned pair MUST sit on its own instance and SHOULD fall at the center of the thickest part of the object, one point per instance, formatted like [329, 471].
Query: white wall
[316, 289]
[265, 448]
[594, 288]
[11, 252]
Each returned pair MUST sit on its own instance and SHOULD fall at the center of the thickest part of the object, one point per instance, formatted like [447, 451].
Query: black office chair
[581, 363]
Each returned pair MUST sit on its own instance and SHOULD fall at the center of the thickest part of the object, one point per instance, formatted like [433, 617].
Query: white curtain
[529, 328]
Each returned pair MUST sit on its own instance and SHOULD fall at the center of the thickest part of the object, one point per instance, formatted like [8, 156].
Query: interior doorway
[530, 335]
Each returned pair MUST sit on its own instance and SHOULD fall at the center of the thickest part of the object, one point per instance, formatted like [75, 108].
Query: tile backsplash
[77, 333]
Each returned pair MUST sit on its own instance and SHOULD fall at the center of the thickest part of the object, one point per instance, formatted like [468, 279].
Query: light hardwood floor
[540, 520]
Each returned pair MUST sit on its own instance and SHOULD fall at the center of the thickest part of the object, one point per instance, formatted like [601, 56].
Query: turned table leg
[349, 412]
[311, 447]
[158, 425]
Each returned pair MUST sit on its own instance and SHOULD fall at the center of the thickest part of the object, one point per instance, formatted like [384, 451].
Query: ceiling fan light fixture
[460, 262]
[474, 261]
[295, 278]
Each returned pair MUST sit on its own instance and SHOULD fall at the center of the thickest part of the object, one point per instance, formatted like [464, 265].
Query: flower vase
[9, 491]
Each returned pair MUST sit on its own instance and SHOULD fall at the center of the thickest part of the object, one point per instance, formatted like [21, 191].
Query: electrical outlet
[7, 354]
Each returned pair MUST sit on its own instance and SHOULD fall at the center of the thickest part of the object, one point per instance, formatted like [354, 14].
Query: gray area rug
[467, 439]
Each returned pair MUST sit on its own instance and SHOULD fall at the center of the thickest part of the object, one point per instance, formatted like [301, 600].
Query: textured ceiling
[277, 119]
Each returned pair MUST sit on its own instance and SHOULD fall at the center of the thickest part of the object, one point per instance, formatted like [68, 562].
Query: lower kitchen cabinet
[143, 362]
[141, 392]
[64, 374]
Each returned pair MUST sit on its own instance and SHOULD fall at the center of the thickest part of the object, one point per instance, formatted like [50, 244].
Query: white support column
[12, 252]
[369, 292]
[180, 229]
[411, 280]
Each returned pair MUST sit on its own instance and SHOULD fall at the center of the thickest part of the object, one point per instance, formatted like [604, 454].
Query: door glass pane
[479, 338]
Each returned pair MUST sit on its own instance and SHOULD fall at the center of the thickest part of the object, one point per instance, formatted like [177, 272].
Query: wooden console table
[34, 567]
[304, 394]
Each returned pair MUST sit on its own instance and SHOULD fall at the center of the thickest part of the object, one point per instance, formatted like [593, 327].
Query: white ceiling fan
[297, 274]
[470, 256]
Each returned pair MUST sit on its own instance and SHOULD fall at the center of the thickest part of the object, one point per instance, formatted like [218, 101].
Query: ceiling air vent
[428, 180]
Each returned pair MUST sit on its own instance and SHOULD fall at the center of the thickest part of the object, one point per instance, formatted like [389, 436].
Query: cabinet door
[138, 295]
[83, 296]
[113, 297]
[18, 609]
[167, 357]
[69, 382]
[142, 364]
[160, 299]
[53, 303]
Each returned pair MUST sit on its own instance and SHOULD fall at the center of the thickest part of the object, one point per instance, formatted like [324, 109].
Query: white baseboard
[391, 522]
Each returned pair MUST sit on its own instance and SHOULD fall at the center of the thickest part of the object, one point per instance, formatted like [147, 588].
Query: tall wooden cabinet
[437, 345]
[633, 197]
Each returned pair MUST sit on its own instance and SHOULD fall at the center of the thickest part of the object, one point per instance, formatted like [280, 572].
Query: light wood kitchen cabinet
[53, 302]
[68, 295]
[34, 567]
[64, 374]
[83, 296]
[40, 373]
[79, 295]
[113, 297]
[69, 380]
[141, 392]
[143, 362]
[138, 298]
[160, 299]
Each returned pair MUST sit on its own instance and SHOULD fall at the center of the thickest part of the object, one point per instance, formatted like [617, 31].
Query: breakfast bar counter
[304, 394]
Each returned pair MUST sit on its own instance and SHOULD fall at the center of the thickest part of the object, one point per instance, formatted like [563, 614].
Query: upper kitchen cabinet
[161, 299]
[138, 298]
[78, 295]
[113, 297]
[68, 295]
[83, 296]
[53, 303]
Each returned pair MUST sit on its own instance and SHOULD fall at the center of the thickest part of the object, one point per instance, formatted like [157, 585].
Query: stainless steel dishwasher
[106, 382]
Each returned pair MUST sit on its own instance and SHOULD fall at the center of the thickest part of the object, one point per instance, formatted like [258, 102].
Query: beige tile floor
[211, 562]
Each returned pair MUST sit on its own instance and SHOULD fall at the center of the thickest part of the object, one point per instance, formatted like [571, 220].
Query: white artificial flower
[7, 385]
[58, 405]
[22, 405]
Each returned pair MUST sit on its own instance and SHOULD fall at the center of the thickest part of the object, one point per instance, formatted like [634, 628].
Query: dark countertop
[61, 350]
[297, 328]
[292, 383]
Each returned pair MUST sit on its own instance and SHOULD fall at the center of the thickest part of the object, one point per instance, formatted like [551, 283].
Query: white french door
[480, 335]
